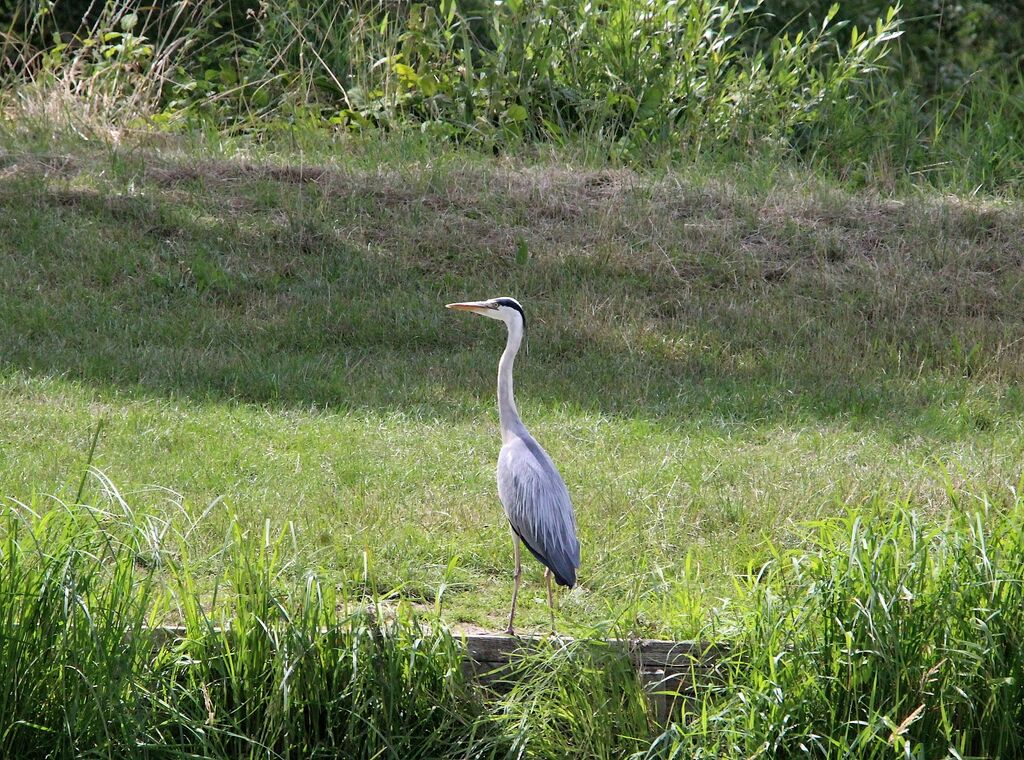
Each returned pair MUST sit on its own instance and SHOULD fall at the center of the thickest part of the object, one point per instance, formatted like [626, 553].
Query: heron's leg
[515, 578]
[551, 598]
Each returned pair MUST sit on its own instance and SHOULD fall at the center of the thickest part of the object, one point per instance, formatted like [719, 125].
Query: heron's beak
[477, 307]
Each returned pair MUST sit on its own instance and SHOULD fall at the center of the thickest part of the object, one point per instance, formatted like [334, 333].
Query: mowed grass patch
[710, 359]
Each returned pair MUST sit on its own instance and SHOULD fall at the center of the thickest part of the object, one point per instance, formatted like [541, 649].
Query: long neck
[507, 413]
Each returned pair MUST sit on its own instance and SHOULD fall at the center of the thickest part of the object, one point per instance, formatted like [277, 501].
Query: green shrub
[626, 80]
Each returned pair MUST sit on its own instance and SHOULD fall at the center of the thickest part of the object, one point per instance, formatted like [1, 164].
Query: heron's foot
[509, 631]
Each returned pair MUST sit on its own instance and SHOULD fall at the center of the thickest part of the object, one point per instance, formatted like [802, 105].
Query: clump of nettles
[628, 80]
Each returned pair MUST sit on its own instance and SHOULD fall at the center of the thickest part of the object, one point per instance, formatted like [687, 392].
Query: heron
[531, 491]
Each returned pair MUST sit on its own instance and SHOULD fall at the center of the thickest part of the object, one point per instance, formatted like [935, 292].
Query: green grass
[780, 374]
[881, 636]
[884, 638]
[714, 358]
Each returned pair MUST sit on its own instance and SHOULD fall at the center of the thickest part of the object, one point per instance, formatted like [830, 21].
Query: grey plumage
[531, 491]
[537, 504]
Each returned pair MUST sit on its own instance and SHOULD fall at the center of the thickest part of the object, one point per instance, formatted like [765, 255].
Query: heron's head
[506, 309]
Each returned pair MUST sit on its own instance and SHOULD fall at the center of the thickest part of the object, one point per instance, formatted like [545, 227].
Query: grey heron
[531, 491]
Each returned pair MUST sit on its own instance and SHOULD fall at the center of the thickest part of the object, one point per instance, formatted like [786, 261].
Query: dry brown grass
[801, 262]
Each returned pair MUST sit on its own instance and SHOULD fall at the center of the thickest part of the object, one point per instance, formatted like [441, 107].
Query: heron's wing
[538, 507]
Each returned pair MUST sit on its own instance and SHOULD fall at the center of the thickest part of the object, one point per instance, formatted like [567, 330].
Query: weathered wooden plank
[500, 648]
[650, 652]
[666, 668]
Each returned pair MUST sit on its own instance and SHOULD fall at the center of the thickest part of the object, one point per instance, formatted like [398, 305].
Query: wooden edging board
[666, 668]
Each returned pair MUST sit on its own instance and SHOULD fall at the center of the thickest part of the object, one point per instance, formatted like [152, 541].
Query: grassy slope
[710, 360]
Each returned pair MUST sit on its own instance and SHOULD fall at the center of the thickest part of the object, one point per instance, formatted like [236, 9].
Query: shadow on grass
[699, 309]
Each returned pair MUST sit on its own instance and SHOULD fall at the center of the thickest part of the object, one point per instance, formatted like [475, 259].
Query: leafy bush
[630, 70]
[628, 80]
